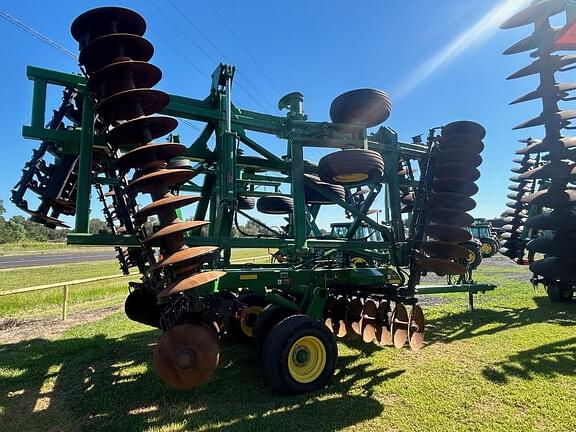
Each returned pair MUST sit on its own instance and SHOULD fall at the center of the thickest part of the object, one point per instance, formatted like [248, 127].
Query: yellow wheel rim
[306, 359]
[471, 257]
[247, 326]
[486, 248]
[358, 261]
[350, 178]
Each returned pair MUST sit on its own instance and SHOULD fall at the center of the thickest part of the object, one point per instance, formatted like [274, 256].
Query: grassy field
[40, 248]
[509, 367]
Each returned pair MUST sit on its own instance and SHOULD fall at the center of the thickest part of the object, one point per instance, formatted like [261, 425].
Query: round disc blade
[192, 282]
[382, 325]
[464, 127]
[455, 185]
[456, 170]
[140, 131]
[454, 201]
[445, 249]
[354, 316]
[399, 325]
[450, 217]
[462, 141]
[104, 20]
[460, 155]
[554, 268]
[143, 155]
[132, 103]
[105, 49]
[441, 267]
[160, 180]
[170, 202]
[416, 328]
[124, 75]
[448, 233]
[187, 355]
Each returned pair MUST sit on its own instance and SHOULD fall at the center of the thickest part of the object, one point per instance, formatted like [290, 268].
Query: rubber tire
[559, 292]
[234, 328]
[246, 203]
[476, 249]
[277, 348]
[267, 320]
[367, 107]
[314, 197]
[275, 205]
[494, 247]
[355, 161]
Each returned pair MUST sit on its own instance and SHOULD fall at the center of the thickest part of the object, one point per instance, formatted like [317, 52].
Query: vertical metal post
[471, 301]
[299, 223]
[85, 167]
[65, 303]
[39, 104]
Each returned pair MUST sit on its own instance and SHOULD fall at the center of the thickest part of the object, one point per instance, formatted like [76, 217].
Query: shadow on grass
[100, 383]
[549, 361]
[466, 325]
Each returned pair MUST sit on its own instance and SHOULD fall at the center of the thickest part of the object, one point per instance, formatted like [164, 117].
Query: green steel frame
[225, 178]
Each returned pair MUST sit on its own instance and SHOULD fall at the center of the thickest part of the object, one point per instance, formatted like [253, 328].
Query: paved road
[54, 258]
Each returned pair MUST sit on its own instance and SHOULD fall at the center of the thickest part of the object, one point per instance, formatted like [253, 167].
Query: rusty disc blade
[330, 324]
[456, 170]
[186, 255]
[552, 62]
[464, 127]
[561, 247]
[444, 249]
[382, 330]
[104, 50]
[133, 103]
[399, 325]
[187, 355]
[450, 217]
[559, 220]
[191, 282]
[461, 141]
[353, 316]
[555, 90]
[529, 43]
[172, 202]
[551, 198]
[455, 185]
[160, 180]
[45, 220]
[142, 156]
[140, 131]
[536, 12]
[452, 201]
[123, 75]
[369, 320]
[175, 228]
[555, 268]
[340, 307]
[106, 20]
[560, 117]
[537, 146]
[460, 156]
[416, 328]
[447, 233]
[441, 267]
[551, 170]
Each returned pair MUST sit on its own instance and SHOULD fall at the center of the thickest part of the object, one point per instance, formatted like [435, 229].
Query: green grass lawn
[509, 367]
[41, 248]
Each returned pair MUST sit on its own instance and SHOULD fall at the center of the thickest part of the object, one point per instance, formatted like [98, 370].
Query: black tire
[270, 316]
[475, 254]
[314, 197]
[244, 331]
[489, 247]
[560, 292]
[367, 107]
[246, 203]
[285, 346]
[275, 205]
[351, 167]
[142, 306]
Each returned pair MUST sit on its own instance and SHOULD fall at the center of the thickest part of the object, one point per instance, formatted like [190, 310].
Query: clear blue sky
[321, 48]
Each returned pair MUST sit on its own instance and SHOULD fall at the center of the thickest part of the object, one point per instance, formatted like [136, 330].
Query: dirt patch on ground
[13, 330]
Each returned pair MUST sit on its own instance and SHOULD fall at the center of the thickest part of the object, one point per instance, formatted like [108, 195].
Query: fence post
[65, 303]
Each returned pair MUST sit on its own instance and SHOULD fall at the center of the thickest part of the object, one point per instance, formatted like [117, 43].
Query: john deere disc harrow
[541, 218]
[359, 282]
